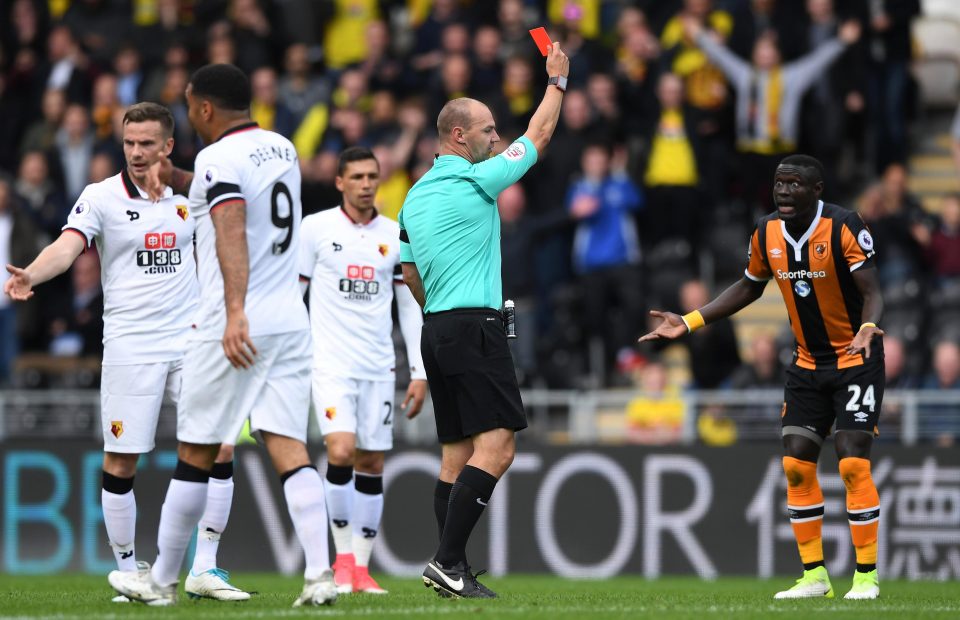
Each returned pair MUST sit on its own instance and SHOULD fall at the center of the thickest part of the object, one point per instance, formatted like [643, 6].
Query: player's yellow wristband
[874, 325]
[694, 321]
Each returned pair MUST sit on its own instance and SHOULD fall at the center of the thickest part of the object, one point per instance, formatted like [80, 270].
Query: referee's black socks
[441, 499]
[468, 497]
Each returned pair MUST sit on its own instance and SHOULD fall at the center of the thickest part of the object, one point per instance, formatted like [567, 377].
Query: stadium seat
[902, 294]
[937, 64]
[941, 8]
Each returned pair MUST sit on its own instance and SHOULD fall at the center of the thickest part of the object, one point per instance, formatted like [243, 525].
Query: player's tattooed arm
[411, 277]
[869, 287]
[230, 222]
[180, 181]
[177, 179]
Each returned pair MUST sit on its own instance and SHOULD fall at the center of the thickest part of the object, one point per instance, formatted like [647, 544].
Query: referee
[450, 251]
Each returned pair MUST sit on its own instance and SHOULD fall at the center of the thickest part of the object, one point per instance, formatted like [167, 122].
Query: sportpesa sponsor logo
[800, 274]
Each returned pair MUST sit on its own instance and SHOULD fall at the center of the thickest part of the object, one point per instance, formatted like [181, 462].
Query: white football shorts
[365, 408]
[274, 394]
[130, 399]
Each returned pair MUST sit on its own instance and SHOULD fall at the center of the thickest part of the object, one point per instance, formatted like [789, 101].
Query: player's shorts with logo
[130, 399]
[274, 394]
[364, 408]
[471, 374]
[817, 400]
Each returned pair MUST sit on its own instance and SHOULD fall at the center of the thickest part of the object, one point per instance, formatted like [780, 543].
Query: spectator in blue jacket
[606, 251]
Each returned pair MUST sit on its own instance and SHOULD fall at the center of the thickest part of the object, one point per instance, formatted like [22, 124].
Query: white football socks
[182, 509]
[120, 518]
[308, 511]
[367, 511]
[212, 524]
[340, 507]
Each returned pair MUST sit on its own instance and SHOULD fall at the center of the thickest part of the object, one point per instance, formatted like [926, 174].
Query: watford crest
[182, 212]
[384, 248]
[331, 412]
[116, 427]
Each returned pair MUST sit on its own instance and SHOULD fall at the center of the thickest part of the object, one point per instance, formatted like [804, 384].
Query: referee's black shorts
[472, 379]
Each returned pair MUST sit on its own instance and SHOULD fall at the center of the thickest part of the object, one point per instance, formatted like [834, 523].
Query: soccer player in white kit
[249, 355]
[350, 258]
[144, 236]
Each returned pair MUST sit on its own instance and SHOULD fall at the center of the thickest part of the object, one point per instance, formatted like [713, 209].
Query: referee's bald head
[456, 113]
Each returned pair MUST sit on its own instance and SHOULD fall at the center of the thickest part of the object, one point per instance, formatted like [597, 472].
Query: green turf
[522, 597]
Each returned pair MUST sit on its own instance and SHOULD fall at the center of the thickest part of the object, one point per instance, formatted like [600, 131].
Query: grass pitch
[522, 597]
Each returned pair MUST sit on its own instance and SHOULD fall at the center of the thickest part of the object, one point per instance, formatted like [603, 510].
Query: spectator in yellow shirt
[655, 417]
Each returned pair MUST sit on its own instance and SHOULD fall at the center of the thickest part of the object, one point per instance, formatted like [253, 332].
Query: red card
[541, 38]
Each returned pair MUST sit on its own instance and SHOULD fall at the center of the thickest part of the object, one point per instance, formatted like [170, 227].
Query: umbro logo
[134, 215]
[126, 555]
[776, 252]
[860, 416]
[337, 247]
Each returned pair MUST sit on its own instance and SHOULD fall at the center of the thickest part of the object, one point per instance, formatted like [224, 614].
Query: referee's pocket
[493, 340]
[450, 358]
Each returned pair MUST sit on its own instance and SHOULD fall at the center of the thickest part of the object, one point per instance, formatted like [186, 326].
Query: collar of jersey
[134, 191]
[237, 129]
[454, 160]
[355, 222]
[798, 245]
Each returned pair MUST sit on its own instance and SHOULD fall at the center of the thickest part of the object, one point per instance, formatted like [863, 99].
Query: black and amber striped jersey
[814, 274]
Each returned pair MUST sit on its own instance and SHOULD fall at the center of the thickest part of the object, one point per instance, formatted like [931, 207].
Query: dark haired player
[821, 256]
[350, 259]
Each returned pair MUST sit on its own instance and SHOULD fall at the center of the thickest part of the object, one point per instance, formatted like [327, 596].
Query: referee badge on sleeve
[515, 151]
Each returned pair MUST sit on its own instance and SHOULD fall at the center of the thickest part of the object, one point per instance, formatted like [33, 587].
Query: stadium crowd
[677, 113]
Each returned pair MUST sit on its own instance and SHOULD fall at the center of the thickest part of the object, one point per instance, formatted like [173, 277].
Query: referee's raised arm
[544, 120]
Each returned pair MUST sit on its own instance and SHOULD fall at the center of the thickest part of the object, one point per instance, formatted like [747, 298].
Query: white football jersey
[260, 167]
[352, 269]
[147, 268]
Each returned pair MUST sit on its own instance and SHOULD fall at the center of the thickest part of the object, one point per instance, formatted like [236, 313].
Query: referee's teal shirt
[450, 227]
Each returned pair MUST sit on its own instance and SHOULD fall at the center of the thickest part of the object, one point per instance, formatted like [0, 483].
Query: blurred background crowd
[676, 115]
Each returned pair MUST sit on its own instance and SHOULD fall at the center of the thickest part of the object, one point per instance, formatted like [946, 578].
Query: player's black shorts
[472, 379]
[814, 399]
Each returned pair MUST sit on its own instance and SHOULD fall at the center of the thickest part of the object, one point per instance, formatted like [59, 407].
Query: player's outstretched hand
[18, 286]
[416, 394]
[237, 345]
[861, 342]
[671, 326]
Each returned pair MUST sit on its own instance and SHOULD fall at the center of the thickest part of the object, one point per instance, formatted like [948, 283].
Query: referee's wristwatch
[560, 81]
